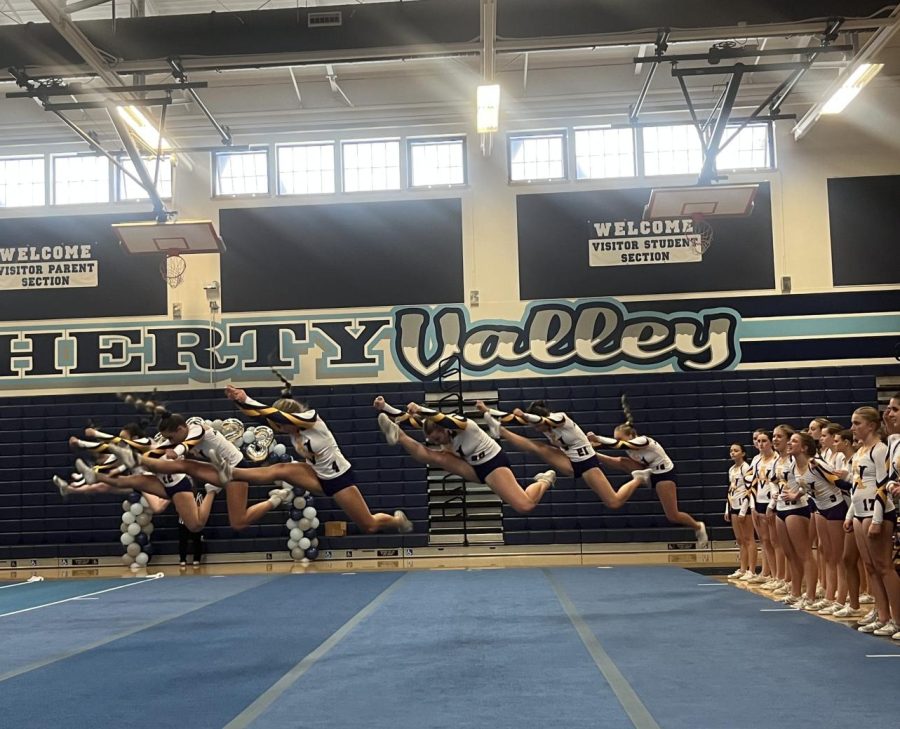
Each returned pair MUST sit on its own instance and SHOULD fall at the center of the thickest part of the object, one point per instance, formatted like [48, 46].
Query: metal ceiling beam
[75, 38]
[80, 89]
[447, 50]
[82, 5]
[717, 55]
[867, 54]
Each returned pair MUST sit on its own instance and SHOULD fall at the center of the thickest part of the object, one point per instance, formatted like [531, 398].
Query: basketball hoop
[172, 268]
[703, 233]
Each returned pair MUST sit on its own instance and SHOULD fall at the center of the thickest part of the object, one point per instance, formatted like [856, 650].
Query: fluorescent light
[142, 127]
[487, 118]
[855, 82]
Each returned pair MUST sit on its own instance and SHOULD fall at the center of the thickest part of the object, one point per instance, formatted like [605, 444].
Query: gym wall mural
[72, 267]
[407, 343]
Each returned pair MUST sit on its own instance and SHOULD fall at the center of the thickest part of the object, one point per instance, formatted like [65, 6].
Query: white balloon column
[137, 527]
[303, 541]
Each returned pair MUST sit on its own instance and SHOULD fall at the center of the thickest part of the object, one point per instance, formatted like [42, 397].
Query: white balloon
[126, 539]
[304, 544]
[133, 550]
[128, 517]
[145, 503]
[279, 449]
[249, 436]
[217, 424]
[142, 559]
[124, 527]
[309, 512]
[315, 523]
[134, 529]
[299, 502]
[136, 509]
[135, 566]
[292, 544]
[304, 524]
[297, 553]
[314, 542]
[291, 524]
[296, 535]
[126, 505]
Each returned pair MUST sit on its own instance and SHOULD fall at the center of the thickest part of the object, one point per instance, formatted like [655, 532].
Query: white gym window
[22, 182]
[672, 150]
[749, 150]
[604, 153]
[81, 179]
[437, 162]
[128, 189]
[537, 157]
[305, 169]
[371, 165]
[242, 173]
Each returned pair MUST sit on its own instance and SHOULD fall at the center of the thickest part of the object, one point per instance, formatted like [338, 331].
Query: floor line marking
[268, 697]
[640, 716]
[109, 639]
[77, 597]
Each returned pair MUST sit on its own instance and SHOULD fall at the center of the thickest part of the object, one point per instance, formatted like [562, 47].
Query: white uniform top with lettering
[200, 440]
[565, 434]
[819, 481]
[644, 450]
[319, 447]
[786, 481]
[739, 479]
[893, 444]
[312, 439]
[467, 440]
[870, 476]
[763, 486]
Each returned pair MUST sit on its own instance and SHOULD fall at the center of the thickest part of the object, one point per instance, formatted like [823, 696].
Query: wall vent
[324, 20]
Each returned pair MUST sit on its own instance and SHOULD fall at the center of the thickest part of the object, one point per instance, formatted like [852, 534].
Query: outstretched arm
[266, 413]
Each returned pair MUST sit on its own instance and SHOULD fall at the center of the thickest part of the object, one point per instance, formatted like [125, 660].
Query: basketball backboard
[190, 236]
[703, 201]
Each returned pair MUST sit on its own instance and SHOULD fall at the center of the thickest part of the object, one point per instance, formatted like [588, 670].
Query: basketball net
[705, 232]
[172, 268]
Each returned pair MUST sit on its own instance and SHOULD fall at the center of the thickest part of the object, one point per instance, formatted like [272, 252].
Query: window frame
[110, 180]
[46, 181]
[214, 175]
[423, 140]
[402, 183]
[336, 173]
[119, 178]
[635, 147]
[562, 133]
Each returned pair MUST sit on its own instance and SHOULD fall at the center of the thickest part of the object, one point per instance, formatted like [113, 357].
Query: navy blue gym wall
[695, 416]
[554, 230]
[865, 229]
[338, 256]
[120, 275]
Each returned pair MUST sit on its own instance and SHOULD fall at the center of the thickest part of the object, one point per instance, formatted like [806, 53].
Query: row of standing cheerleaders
[804, 487]
[157, 466]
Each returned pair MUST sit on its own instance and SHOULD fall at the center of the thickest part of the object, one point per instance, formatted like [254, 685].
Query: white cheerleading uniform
[739, 492]
[313, 440]
[467, 440]
[318, 446]
[763, 487]
[786, 481]
[643, 449]
[566, 435]
[819, 481]
[200, 440]
[869, 497]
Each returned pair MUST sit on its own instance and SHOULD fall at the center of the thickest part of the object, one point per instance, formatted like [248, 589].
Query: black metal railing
[449, 382]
